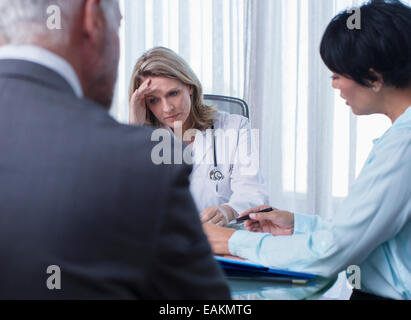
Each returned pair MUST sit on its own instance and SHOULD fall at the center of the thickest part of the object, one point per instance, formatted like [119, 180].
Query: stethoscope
[215, 174]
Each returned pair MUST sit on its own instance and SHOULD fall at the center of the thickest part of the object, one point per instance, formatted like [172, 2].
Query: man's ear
[94, 22]
[377, 84]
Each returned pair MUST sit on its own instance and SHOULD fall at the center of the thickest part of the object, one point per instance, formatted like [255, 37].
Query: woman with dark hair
[372, 228]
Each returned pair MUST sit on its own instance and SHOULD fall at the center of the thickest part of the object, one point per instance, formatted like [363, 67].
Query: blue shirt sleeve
[308, 223]
[376, 209]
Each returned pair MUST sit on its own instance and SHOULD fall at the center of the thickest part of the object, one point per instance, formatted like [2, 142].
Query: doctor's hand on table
[276, 222]
[219, 216]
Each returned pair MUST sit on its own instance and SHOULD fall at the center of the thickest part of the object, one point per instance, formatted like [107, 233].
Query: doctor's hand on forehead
[219, 216]
[138, 109]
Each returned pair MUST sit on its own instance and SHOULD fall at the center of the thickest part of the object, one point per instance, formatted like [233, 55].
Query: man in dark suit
[84, 212]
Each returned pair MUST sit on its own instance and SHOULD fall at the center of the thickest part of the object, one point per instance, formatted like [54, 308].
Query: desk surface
[271, 290]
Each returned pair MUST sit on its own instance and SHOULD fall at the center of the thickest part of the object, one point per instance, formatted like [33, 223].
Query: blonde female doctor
[225, 181]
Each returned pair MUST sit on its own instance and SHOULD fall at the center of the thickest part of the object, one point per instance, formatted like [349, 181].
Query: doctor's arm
[247, 185]
[218, 215]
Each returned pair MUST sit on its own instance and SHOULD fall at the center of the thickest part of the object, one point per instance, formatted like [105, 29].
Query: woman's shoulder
[225, 120]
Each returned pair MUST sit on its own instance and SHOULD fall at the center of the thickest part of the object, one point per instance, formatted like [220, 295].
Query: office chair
[227, 104]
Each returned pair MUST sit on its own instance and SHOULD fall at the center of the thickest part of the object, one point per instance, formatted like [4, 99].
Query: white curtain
[312, 146]
[208, 34]
[267, 52]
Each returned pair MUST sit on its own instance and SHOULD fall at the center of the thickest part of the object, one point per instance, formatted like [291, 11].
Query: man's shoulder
[94, 116]
[139, 144]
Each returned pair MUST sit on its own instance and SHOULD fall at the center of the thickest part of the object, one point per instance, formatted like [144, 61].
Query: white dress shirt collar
[45, 58]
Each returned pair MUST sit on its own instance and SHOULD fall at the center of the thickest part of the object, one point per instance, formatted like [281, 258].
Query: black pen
[247, 216]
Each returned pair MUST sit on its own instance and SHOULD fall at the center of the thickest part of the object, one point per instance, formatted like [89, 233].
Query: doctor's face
[170, 102]
[361, 99]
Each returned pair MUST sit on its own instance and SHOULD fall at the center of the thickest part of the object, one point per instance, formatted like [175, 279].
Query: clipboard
[246, 270]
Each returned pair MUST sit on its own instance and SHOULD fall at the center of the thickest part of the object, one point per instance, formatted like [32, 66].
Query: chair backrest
[228, 104]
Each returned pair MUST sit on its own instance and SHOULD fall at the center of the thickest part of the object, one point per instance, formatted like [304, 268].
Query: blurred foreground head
[83, 32]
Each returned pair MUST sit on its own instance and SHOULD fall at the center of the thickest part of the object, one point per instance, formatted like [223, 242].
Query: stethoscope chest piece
[216, 175]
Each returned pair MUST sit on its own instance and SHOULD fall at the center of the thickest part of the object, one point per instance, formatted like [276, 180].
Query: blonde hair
[163, 62]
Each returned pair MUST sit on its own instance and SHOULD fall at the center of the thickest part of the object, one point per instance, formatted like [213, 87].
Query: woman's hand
[276, 222]
[138, 109]
[219, 216]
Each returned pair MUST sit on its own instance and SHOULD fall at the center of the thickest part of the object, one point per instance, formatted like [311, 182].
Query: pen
[247, 217]
[273, 279]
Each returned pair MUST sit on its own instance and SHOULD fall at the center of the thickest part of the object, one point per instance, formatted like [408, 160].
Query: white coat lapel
[203, 147]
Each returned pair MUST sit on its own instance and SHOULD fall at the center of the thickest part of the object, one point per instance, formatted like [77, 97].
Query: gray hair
[24, 21]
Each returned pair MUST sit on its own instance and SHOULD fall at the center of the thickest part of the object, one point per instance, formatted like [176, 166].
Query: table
[271, 290]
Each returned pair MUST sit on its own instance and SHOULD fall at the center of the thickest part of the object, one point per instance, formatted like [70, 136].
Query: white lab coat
[242, 186]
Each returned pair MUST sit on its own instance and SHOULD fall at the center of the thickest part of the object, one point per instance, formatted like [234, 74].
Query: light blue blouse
[371, 228]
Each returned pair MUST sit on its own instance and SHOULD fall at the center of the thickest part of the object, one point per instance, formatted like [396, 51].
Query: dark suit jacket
[79, 190]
